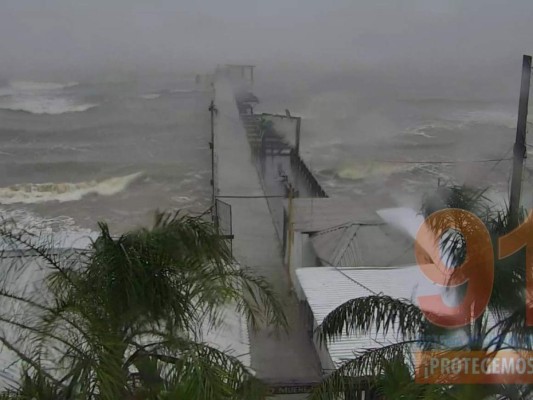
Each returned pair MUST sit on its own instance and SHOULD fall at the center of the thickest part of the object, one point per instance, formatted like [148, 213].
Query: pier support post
[290, 235]
[519, 146]
[213, 111]
[297, 139]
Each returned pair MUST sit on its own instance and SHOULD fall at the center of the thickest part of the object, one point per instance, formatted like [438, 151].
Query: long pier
[286, 361]
[279, 165]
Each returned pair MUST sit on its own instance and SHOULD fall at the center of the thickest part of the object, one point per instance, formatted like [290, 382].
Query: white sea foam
[421, 131]
[45, 105]
[362, 170]
[60, 231]
[40, 98]
[30, 193]
[181, 199]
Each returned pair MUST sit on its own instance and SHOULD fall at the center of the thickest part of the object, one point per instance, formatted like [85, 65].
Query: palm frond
[197, 371]
[164, 283]
[362, 371]
[456, 196]
[379, 312]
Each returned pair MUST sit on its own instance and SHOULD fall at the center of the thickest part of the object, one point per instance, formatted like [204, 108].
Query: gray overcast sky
[423, 36]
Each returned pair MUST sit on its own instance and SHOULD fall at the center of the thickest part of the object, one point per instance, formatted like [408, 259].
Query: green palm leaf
[379, 312]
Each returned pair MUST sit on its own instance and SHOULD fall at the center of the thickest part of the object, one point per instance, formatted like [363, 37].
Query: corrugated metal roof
[326, 288]
[354, 245]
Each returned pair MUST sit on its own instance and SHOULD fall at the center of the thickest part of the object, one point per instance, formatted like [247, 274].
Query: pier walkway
[277, 358]
[279, 166]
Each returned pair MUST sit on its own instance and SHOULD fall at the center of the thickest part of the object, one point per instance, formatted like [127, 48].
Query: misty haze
[307, 133]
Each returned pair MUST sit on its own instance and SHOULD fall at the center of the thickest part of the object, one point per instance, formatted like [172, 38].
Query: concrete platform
[275, 357]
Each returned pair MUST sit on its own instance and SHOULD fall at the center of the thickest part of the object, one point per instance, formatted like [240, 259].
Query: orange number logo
[476, 271]
[511, 243]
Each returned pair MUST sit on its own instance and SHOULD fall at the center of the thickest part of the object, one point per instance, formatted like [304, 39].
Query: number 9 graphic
[476, 270]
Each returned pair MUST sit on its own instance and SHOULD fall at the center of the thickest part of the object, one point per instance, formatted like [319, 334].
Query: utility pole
[213, 111]
[520, 144]
[297, 140]
[290, 232]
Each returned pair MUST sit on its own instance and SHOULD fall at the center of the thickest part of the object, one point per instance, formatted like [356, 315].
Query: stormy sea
[391, 147]
[75, 153]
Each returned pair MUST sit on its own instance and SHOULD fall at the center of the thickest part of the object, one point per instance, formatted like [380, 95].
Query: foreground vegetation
[124, 320]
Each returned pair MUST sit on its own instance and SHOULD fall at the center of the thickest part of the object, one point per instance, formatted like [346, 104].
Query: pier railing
[279, 165]
[302, 169]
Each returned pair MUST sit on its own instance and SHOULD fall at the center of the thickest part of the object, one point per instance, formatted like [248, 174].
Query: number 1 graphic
[511, 243]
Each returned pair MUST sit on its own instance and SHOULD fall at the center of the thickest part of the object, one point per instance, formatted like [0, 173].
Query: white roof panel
[326, 288]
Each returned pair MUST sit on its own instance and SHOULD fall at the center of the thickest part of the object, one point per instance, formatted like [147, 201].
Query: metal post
[213, 110]
[290, 233]
[519, 146]
[297, 141]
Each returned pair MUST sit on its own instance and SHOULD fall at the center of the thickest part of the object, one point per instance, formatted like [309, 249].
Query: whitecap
[362, 170]
[181, 199]
[31, 193]
[40, 98]
[45, 105]
[61, 231]
[421, 131]
[424, 128]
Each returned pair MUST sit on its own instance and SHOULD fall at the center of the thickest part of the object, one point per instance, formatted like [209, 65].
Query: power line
[503, 158]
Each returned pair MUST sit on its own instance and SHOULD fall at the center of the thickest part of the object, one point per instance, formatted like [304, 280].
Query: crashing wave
[31, 193]
[40, 98]
[359, 171]
[50, 106]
